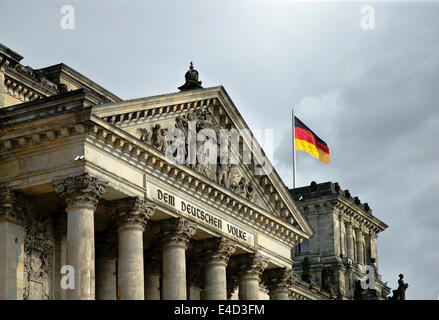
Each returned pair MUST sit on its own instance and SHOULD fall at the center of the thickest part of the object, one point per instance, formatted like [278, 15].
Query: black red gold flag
[307, 141]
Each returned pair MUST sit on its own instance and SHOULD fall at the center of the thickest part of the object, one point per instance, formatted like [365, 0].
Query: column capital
[218, 250]
[132, 212]
[251, 264]
[8, 206]
[278, 278]
[83, 190]
[177, 231]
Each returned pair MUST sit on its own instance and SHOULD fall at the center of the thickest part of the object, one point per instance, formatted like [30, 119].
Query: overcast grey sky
[372, 95]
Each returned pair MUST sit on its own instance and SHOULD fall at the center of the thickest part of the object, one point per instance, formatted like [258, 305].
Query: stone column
[106, 252]
[232, 282]
[12, 235]
[250, 267]
[153, 266]
[349, 240]
[60, 259]
[217, 255]
[81, 194]
[176, 235]
[373, 248]
[279, 281]
[360, 251]
[194, 280]
[131, 216]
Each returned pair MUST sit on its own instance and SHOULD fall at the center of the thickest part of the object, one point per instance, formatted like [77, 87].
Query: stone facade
[344, 240]
[85, 182]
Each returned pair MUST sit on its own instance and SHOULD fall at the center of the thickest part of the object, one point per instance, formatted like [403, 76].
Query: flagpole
[294, 150]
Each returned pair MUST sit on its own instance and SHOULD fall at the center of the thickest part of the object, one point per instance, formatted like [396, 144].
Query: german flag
[308, 141]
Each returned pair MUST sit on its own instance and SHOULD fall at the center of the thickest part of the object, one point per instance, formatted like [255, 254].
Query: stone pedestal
[250, 267]
[106, 287]
[81, 194]
[278, 281]
[131, 217]
[11, 248]
[217, 255]
[176, 235]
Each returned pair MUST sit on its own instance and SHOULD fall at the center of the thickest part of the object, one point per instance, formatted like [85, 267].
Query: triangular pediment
[149, 120]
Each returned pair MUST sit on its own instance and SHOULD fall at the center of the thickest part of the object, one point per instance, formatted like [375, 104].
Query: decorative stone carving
[145, 135]
[279, 278]
[177, 230]
[191, 78]
[251, 264]
[133, 212]
[226, 174]
[82, 190]
[38, 257]
[218, 250]
[158, 138]
[10, 208]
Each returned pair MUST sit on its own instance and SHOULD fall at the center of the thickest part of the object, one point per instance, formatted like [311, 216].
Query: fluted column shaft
[217, 255]
[106, 286]
[349, 241]
[81, 194]
[153, 260]
[176, 235]
[131, 216]
[360, 251]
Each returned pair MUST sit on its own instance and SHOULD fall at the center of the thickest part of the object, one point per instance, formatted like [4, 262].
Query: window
[303, 247]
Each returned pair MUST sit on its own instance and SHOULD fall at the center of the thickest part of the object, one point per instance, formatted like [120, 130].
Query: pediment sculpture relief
[193, 122]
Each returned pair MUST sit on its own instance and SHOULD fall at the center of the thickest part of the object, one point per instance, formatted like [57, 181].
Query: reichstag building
[86, 191]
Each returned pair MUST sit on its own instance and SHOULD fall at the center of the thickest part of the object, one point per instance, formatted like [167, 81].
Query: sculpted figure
[155, 138]
[145, 135]
[242, 187]
[162, 140]
[250, 191]
[399, 294]
[223, 175]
